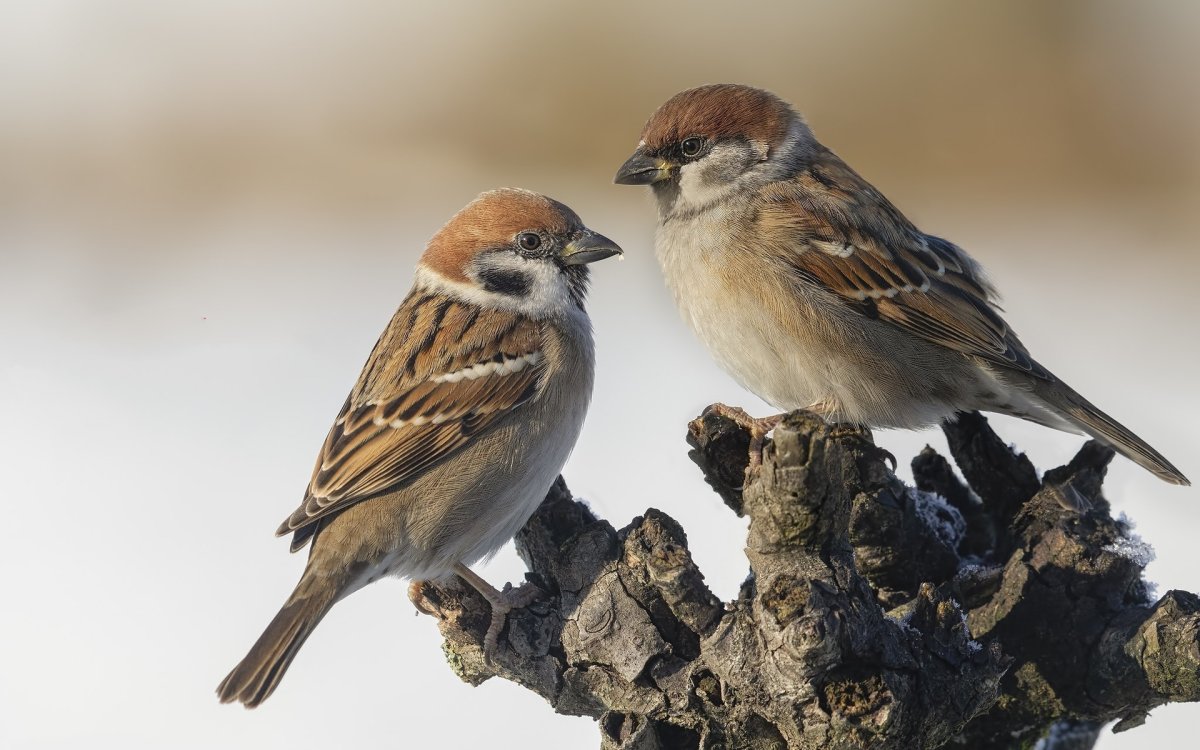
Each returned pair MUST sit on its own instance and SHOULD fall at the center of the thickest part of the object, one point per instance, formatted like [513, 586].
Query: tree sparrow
[463, 416]
[815, 292]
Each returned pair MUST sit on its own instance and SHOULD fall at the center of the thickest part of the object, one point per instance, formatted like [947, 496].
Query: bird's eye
[691, 146]
[529, 241]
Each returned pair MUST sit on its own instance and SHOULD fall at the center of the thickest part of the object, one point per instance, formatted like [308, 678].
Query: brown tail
[254, 679]
[1062, 399]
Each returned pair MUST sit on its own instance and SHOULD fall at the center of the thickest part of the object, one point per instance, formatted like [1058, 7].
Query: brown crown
[720, 111]
[493, 219]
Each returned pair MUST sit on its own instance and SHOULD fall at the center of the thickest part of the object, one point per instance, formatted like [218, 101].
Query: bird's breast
[743, 310]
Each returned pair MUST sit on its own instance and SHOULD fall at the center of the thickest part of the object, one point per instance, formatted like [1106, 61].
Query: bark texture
[1004, 614]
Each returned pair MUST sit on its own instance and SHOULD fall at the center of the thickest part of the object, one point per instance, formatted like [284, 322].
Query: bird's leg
[758, 436]
[502, 602]
[758, 429]
[828, 409]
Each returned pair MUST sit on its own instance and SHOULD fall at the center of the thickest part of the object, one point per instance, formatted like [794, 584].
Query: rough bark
[1002, 613]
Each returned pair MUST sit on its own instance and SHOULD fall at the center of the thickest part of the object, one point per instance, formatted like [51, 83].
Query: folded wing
[420, 400]
[850, 240]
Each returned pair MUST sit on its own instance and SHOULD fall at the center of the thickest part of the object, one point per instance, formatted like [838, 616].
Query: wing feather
[420, 398]
[853, 242]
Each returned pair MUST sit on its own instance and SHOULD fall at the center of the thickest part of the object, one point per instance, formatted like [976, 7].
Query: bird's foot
[416, 595]
[758, 429]
[758, 436]
[830, 410]
[502, 602]
[511, 598]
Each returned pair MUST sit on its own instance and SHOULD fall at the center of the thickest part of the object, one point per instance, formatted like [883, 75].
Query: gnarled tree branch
[984, 615]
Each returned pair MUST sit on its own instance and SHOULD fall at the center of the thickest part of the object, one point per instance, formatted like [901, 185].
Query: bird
[815, 292]
[463, 416]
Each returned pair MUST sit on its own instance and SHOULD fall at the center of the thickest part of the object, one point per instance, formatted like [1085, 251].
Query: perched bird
[463, 416]
[814, 291]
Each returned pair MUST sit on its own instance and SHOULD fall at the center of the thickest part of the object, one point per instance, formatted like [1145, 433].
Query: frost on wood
[1003, 614]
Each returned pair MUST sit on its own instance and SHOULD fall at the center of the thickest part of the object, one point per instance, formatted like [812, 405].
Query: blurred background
[209, 210]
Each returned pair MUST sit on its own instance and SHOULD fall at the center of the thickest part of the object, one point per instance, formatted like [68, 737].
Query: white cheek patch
[548, 292]
[704, 182]
[695, 190]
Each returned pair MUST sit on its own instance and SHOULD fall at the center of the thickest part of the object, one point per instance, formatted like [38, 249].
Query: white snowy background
[208, 212]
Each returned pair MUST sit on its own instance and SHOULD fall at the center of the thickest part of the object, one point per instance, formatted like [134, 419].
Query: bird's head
[516, 250]
[706, 143]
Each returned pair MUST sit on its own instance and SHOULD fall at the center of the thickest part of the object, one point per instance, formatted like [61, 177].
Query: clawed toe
[416, 595]
[758, 438]
[735, 413]
[758, 429]
[492, 639]
[506, 601]
[501, 602]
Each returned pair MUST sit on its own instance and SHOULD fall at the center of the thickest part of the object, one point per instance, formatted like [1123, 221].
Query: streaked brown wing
[420, 398]
[852, 241]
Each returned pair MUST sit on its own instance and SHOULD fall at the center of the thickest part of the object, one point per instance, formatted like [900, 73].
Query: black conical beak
[588, 247]
[643, 169]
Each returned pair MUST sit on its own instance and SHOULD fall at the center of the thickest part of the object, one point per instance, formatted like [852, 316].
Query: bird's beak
[643, 169]
[588, 247]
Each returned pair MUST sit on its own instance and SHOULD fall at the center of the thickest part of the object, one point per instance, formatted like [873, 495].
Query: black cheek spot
[515, 283]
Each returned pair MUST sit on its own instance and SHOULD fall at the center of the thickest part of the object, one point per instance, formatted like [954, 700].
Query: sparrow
[813, 291]
[461, 419]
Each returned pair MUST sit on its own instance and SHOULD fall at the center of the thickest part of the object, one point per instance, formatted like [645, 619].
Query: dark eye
[691, 146]
[529, 241]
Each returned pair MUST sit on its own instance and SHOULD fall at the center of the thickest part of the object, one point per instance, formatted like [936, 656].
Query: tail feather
[1064, 400]
[257, 675]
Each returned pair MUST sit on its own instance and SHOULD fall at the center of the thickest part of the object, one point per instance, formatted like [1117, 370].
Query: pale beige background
[208, 210]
